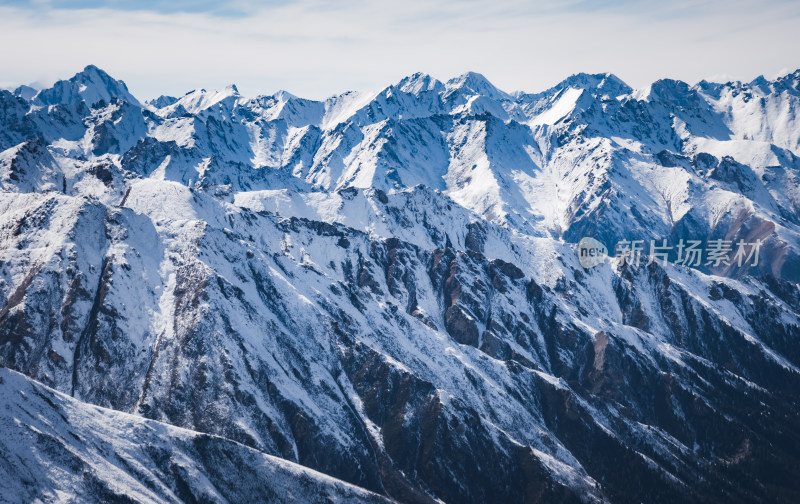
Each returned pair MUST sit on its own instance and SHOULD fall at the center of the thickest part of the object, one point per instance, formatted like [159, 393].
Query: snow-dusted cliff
[384, 287]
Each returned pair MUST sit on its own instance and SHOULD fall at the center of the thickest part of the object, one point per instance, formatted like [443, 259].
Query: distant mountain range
[385, 288]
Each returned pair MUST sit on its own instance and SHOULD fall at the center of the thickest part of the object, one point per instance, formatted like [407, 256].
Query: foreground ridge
[60, 446]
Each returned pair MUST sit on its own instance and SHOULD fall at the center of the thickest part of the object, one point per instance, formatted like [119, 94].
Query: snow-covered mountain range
[384, 287]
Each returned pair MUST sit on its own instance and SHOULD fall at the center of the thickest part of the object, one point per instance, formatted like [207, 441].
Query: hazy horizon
[316, 49]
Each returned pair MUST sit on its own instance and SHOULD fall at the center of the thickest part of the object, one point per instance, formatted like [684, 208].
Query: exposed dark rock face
[404, 438]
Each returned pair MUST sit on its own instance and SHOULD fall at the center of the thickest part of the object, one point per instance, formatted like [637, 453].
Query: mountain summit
[91, 86]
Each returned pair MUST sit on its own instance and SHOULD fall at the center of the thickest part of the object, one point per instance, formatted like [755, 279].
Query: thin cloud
[316, 48]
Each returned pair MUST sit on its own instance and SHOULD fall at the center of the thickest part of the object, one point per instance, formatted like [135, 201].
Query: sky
[316, 48]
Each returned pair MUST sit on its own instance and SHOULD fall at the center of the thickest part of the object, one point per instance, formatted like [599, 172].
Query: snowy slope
[384, 287]
[57, 449]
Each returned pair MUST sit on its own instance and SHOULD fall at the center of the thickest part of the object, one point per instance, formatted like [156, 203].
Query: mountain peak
[198, 100]
[606, 83]
[91, 85]
[790, 80]
[26, 92]
[92, 69]
[419, 82]
[668, 89]
[476, 84]
[284, 96]
[162, 101]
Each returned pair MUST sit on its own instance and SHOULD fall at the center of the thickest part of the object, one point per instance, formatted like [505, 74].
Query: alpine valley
[377, 297]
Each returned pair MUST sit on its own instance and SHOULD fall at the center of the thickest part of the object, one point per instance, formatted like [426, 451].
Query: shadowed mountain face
[384, 287]
[57, 448]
